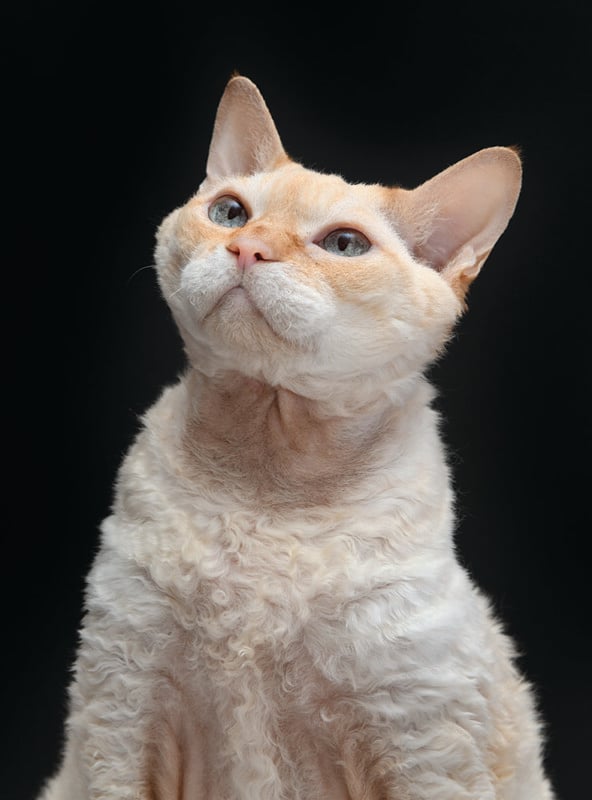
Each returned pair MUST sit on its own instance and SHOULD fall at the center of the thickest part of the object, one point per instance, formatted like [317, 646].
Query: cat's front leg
[106, 749]
[110, 732]
[440, 762]
[437, 759]
[128, 729]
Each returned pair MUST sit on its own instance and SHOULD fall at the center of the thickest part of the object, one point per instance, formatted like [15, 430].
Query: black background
[108, 111]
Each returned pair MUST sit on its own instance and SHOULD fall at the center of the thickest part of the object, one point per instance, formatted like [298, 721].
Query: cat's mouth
[238, 304]
[239, 294]
[237, 301]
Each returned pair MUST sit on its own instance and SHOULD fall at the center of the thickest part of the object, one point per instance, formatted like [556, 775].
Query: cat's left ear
[245, 139]
[453, 220]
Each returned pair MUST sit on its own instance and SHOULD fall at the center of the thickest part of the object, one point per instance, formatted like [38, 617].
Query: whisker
[175, 292]
[140, 269]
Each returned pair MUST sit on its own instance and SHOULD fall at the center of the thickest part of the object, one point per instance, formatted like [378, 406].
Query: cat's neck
[278, 445]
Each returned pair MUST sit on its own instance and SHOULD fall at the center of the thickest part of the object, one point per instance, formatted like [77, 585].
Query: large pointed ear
[453, 220]
[245, 139]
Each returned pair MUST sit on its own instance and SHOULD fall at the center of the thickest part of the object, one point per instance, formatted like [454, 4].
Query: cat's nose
[249, 250]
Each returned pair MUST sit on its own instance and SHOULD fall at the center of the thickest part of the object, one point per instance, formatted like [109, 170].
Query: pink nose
[249, 250]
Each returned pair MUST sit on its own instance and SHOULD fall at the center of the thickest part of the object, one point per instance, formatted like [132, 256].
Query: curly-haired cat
[276, 610]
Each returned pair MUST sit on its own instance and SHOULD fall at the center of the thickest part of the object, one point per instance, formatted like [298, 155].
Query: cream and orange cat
[276, 611]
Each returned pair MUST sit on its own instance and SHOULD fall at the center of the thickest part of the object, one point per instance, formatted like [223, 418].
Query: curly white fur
[276, 611]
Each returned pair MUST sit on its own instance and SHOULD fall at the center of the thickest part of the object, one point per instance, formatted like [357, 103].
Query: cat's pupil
[234, 209]
[343, 241]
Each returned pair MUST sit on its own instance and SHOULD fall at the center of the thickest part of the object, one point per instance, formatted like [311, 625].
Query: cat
[276, 611]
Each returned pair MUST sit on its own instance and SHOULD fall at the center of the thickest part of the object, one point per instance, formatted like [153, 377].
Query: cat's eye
[345, 242]
[228, 211]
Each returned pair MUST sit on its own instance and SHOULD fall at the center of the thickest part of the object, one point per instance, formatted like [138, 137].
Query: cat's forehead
[294, 186]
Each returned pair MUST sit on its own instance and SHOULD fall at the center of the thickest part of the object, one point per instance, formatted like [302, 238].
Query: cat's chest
[244, 582]
[240, 571]
[208, 539]
[240, 578]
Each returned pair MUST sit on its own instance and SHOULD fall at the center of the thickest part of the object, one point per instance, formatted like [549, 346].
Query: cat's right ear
[245, 139]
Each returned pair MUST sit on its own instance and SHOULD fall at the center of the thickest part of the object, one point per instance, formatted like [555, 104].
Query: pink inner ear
[245, 139]
[453, 220]
[437, 249]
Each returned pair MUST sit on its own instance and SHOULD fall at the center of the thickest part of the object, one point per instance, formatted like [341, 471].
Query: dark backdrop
[108, 111]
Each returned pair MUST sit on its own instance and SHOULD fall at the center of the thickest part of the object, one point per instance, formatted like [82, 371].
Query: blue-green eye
[345, 242]
[228, 211]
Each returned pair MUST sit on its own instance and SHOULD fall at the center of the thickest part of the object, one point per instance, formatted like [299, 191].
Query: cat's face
[291, 269]
[299, 278]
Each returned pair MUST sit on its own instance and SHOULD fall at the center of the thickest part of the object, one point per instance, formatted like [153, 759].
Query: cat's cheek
[202, 284]
[438, 307]
[167, 254]
[165, 232]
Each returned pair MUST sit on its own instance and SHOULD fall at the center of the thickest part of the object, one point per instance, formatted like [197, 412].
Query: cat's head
[302, 280]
